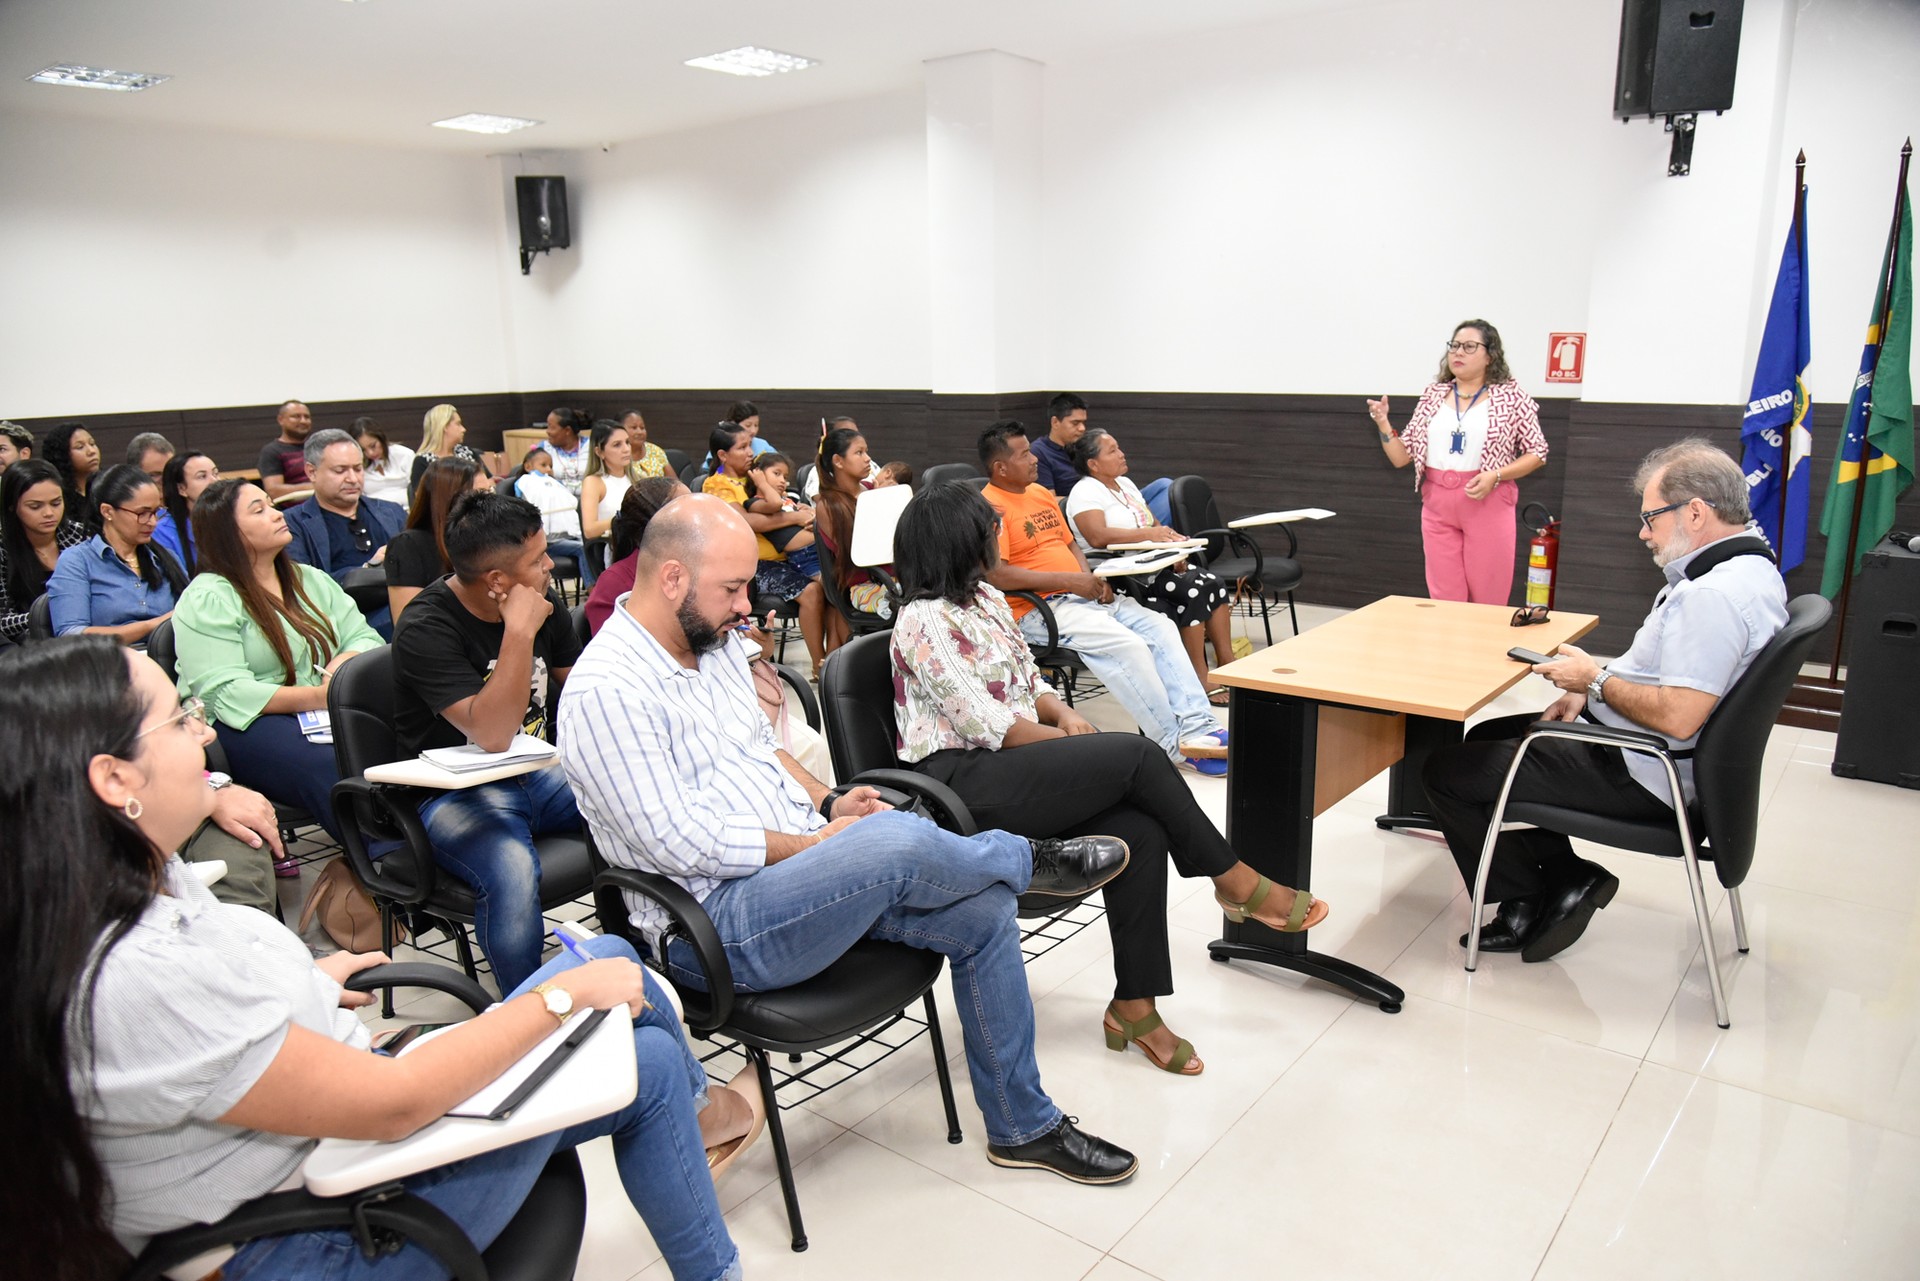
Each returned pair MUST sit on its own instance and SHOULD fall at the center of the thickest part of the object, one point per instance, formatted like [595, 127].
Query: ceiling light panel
[72, 73]
[750, 60]
[481, 122]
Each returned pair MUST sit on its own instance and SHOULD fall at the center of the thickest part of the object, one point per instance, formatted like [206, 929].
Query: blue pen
[572, 946]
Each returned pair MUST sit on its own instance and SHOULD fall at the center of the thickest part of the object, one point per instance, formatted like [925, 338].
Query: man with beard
[1722, 603]
[477, 661]
[678, 773]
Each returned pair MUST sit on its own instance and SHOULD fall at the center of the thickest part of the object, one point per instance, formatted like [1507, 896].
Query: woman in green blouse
[259, 636]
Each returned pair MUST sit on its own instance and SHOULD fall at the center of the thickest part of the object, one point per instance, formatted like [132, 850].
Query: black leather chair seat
[548, 1228]
[1278, 574]
[869, 985]
[940, 473]
[1660, 838]
[565, 865]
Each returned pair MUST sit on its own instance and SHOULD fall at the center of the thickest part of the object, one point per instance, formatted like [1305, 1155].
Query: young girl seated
[771, 473]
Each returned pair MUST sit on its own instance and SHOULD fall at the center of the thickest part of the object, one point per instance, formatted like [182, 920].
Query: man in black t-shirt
[283, 462]
[478, 659]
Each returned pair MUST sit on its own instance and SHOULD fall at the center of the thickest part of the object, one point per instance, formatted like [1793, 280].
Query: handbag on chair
[347, 912]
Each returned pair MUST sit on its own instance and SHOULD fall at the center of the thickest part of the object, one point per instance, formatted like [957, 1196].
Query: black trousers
[1463, 785]
[1100, 784]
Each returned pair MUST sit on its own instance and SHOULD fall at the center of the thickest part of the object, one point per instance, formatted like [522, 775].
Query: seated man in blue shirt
[477, 662]
[337, 530]
[678, 773]
[1722, 603]
[1066, 424]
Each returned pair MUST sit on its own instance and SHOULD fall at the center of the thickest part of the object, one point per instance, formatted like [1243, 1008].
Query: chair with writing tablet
[386, 816]
[1232, 554]
[540, 1243]
[940, 473]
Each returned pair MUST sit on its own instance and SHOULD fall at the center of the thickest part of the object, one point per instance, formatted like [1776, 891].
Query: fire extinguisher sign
[1566, 357]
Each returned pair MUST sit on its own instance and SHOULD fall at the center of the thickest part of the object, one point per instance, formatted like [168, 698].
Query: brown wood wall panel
[1260, 452]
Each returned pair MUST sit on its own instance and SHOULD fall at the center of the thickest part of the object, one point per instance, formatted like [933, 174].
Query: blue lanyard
[1458, 445]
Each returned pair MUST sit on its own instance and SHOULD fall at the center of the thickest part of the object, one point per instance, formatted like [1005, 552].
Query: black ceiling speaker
[1676, 57]
[543, 216]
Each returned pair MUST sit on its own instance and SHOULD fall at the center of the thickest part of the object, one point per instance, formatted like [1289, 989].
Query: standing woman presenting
[1473, 434]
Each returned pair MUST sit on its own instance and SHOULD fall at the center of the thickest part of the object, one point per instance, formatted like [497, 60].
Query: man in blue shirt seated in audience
[678, 773]
[1722, 603]
[1066, 424]
[338, 530]
[477, 662]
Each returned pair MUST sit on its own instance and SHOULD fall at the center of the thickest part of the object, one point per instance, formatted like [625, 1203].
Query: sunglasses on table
[1528, 615]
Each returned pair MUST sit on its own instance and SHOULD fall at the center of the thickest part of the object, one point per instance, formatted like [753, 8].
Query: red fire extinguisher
[1543, 554]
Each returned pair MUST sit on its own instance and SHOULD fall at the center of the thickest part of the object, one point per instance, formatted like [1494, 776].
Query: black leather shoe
[1510, 927]
[1072, 866]
[1070, 1153]
[1567, 910]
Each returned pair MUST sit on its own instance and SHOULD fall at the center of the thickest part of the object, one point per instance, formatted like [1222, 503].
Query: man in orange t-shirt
[1134, 651]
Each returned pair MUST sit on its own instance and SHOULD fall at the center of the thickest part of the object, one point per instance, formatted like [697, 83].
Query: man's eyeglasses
[1465, 348]
[143, 515]
[1647, 518]
[1528, 615]
[191, 709]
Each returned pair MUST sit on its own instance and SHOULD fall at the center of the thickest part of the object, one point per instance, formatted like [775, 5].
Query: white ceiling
[596, 71]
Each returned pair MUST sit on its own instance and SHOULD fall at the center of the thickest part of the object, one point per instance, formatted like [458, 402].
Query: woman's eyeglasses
[191, 709]
[1465, 348]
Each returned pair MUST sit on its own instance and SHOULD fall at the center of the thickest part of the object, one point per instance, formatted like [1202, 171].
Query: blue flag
[1776, 435]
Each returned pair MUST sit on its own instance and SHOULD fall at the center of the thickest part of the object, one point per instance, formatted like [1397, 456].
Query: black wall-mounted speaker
[543, 212]
[1676, 57]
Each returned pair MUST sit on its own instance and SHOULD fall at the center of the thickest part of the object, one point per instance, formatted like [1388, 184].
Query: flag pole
[1785, 477]
[1884, 316]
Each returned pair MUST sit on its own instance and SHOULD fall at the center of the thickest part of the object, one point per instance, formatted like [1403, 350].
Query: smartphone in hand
[1531, 657]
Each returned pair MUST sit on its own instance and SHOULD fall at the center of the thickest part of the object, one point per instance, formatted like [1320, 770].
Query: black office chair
[597, 556]
[40, 619]
[940, 473]
[540, 1243]
[566, 576]
[857, 998]
[1723, 822]
[859, 621]
[1231, 553]
[582, 633]
[360, 702]
[367, 586]
[693, 473]
[677, 460]
[799, 481]
[1063, 665]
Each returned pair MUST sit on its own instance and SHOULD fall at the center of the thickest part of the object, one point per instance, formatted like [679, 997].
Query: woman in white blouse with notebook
[1106, 508]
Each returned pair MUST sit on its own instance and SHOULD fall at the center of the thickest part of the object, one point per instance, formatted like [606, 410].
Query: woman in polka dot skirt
[1107, 508]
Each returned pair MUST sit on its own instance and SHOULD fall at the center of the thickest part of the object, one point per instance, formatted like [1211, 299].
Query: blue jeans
[484, 835]
[1155, 495]
[656, 1147]
[1136, 653]
[275, 759]
[899, 877]
[575, 548]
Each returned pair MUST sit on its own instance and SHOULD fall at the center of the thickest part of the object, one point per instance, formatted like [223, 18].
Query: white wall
[788, 251]
[146, 268]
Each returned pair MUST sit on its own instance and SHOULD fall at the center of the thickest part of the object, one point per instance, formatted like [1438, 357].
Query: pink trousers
[1470, 542]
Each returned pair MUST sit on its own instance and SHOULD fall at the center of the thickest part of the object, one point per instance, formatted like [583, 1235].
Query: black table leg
[1270, 825]
[1406, 795]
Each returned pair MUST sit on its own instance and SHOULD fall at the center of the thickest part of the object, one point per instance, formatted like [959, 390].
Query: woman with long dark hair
[1473, 435]
[169, 1058]
[389, 467]
[729, 458]
[417, 555]
[609, 471]
[644, 498]
[842, 466]
[185, 477]
[259, 635]
[34, 530]
[117, 582]
[75, 454]
[973, 712]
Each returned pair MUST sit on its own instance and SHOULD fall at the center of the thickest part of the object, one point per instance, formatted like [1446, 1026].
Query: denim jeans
[899, 877]
[656, 1147]
[484, 835]
[575, 548]
[1137, 654]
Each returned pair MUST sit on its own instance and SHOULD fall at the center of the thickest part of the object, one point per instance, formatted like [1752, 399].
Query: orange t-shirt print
[1033, 534]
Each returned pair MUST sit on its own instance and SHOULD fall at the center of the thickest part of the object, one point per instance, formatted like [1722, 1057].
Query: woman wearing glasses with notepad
[170, 1058]
[1473, 434]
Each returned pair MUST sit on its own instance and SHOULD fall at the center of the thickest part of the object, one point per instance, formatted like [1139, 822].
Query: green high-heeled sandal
[1303, 905]
[1130, 1033]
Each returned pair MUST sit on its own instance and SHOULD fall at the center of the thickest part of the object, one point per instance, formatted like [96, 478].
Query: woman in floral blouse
[973, 712]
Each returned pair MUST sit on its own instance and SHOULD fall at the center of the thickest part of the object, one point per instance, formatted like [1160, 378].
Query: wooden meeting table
[1320, 713]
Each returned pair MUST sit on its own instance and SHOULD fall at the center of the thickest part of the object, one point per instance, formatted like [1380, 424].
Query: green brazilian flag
[1879, 419]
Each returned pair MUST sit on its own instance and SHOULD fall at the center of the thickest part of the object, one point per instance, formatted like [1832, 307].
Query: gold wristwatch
[558, 1000]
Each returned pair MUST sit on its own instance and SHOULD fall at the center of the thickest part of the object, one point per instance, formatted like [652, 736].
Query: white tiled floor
[1579, 1118]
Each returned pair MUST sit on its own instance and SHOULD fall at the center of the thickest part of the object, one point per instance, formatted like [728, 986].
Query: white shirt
[389, 480]
[674, 769]
[1124, 510]
[1469, 431]
[559, 510]
[617, 487]
[569, 467]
